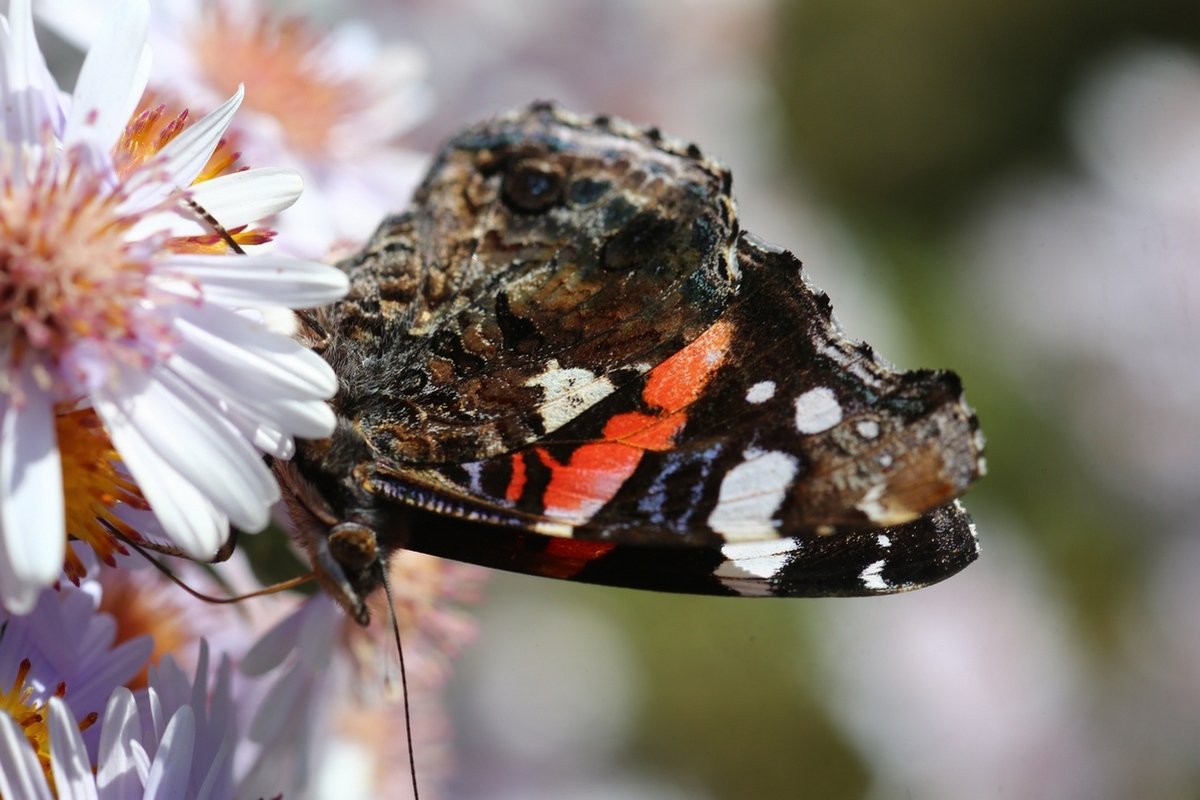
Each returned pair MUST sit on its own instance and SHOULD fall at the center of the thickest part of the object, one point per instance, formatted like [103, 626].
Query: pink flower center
[67, 272]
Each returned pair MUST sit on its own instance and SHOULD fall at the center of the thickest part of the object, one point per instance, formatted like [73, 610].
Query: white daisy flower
[177, 739]
[330, 101]
[103, 308]
[66, 647]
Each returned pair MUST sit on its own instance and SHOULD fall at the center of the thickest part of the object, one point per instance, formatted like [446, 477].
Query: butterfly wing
[546, 262]
[770, 439]
[858, 563]
[566, 359]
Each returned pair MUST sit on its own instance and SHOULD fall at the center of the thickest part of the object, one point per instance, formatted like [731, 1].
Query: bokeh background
[1008, 189]
[1011, 190]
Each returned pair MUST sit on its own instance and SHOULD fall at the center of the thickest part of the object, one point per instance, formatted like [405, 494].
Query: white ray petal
[220, 340]
[20, 773]
[240, 198]
[68, 756]
[29, 94]
[32, 517]
[108, 88]
[255, 280]
[187, 517]
[172, 764]
[187, 433]
[117, 776]
[309, 418]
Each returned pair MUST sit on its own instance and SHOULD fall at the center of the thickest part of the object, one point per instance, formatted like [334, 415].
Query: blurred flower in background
[327, 101]
[1095, 278]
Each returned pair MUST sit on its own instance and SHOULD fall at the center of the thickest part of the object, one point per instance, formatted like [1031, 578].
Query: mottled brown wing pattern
[548, 262]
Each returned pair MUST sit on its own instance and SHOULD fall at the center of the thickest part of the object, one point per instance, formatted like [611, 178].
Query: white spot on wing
[750, 495]
[868, 428]
[567, 392]
[751, 565]
[548, 528]
[872, 576]
[761, 392]
[871, 506]
[817, 410]
[884, 540]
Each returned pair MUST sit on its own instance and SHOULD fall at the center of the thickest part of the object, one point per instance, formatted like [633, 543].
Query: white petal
[28, 92]
[76, 22]
[243, 197]
[181, 160]
[117, 776]
[308, 418]
[215, 784]
[188, 434]
[108, 88]
[224, 342]
[68, 755]
[259, 280]
[32, 524]
[187, 517]
[20, 773]
[172, 765]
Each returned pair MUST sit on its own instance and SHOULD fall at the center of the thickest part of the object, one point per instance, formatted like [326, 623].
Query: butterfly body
[567, 359]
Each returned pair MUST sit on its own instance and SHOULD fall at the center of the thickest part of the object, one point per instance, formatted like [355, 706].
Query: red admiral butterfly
[567, 359]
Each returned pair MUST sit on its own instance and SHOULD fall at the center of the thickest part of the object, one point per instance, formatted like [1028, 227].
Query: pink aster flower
[330, 101]
[106, 305]
[333, 715]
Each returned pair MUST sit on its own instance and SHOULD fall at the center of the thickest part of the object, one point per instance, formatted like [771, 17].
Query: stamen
[32, 715]
[94, 486]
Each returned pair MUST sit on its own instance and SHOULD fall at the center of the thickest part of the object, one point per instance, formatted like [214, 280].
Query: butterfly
[567, 359]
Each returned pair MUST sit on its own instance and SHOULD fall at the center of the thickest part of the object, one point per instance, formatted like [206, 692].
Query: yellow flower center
[93, 487]
[33, 716]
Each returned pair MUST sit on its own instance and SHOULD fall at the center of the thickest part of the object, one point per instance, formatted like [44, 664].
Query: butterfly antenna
[412, 762]
[274, 588]
[217, 227]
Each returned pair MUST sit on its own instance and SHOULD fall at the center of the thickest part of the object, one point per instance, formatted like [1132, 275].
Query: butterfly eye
[531, 186]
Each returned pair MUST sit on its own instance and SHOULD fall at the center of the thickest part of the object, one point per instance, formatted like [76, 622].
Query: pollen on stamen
[153, 125]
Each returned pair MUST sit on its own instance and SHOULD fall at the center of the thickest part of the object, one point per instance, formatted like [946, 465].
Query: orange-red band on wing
[678, 381]
[566, 557]
[516, 483]
[596, 471]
